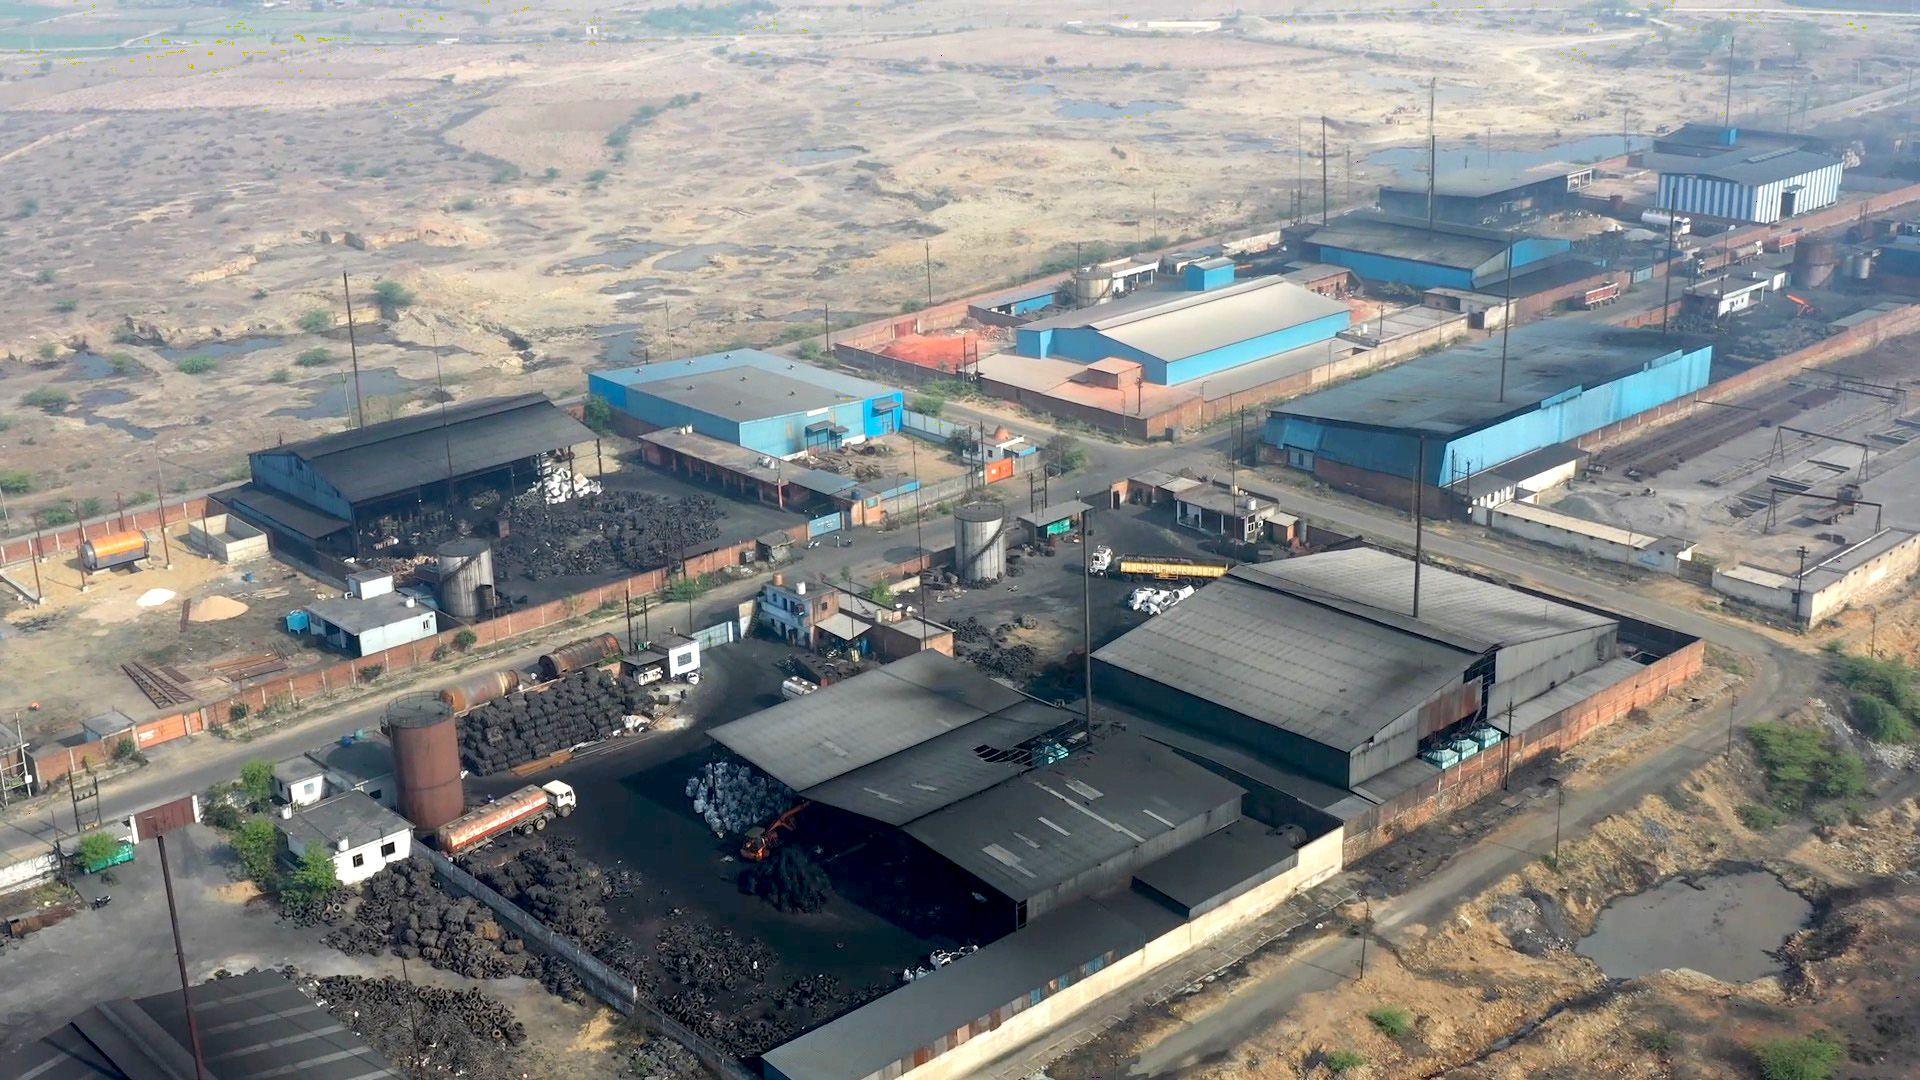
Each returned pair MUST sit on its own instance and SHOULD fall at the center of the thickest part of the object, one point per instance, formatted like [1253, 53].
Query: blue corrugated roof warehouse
[1380, 247]
[770, 404]
[1178, 336]
[1564, 380]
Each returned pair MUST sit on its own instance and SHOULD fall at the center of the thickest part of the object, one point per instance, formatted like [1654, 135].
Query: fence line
[607, 985]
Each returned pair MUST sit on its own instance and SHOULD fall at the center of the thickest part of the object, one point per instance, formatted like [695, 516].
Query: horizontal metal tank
[479, 689]
[426, 760]
[113, 549]
[466, 576]
[980, 541]
[578, 655]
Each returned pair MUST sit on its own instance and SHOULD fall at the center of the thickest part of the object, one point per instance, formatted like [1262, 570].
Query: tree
[311, 882]
[16, 482]
[881, 594]
[390, 297]
[256, 783]
[1063, 454]
[257, 844]
[597, 414]
[97, 847]
[317, 321]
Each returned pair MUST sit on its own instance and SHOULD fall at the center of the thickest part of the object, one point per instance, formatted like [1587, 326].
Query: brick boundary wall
[1482, 774]
[50, 542]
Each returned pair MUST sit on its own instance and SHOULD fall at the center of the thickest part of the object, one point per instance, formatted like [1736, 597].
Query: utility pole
[1086, 618]
[1325, 192]
[1666, 301]
[1433, 149]
[826, 325]
[1366, 931]
[1730, 713]
[928, 246]
[1727, 121]
[180, 957]
[1559, 808]
[1506, 319]
[1419, 483]
[353, 349]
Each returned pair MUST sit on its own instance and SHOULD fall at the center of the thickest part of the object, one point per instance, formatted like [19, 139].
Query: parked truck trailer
[528, 810]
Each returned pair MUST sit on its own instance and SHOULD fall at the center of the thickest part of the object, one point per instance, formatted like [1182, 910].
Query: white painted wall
[356, 864]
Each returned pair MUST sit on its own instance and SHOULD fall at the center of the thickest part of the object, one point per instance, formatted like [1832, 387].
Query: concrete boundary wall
[1318, 860]
[27, 871]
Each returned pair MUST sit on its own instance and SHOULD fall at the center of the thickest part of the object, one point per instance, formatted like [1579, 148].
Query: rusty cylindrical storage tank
[113, 549]
[426, 760]
[480, 689]
[573, 657]
[1814, 262]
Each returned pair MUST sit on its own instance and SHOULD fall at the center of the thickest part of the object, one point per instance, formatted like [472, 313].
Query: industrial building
[319, 493]
[1321, 666]
[767, 404]
[371, 618]
[1179, 336]
[1404, 251]
[251, 1027]
[362, 763]
[1563, 380]
[821, 616]
[999, 785]
[1719, 172]
[1477, 196]
[362, 836]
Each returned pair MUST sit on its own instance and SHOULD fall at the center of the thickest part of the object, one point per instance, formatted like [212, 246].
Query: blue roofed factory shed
[1182, 335]
[1382, 248]
[1563, 381]
[765, 403]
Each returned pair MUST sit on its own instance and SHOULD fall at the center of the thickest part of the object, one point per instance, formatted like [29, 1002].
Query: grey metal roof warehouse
[400, 455]
[1176, 325]
[843, 727]
[1443, 245]
[257, 1025]
[891, 1028]
[1042, 828]
[745, 392]
[1287, 662]
[1455, 390]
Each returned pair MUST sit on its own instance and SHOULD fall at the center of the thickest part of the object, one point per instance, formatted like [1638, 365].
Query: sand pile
[215, 609]
[154, 597]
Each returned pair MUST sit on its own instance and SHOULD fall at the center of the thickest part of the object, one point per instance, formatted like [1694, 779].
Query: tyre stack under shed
[582, 707]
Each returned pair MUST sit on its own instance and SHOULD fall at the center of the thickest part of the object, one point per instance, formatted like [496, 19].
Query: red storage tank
[426, 760]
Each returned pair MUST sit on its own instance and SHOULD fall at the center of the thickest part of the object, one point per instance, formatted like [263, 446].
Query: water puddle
[1725, 925]
[696, 257]
[333, 395]
[91, 365]
[820, 155]
[620, 258]
[1102, 110]
[218, 350]
[1462, 156]
[623, 348]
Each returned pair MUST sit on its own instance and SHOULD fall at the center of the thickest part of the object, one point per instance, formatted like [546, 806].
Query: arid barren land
[558, 186]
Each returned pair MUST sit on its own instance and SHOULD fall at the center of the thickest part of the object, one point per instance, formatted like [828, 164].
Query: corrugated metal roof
[1030, 833]
[1378, 585]
[889, 1029]
[843, 727]
[1453, 390]
[1748, 167]
[398, 455]
[268, 509]
[254, 1025]
[942, 770]
[1444, 245]
[1289, 663]
[1176, 325]
[644, 377]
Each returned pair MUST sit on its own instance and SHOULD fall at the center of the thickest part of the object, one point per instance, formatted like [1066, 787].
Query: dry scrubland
[551, 202]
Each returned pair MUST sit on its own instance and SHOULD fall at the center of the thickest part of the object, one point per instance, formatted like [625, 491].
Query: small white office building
[363, 836]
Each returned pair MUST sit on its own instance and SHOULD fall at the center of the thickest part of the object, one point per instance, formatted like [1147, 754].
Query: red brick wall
[1481, 774]
[67, 538]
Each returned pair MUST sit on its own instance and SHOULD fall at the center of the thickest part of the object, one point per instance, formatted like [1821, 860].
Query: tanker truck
[529, 810]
